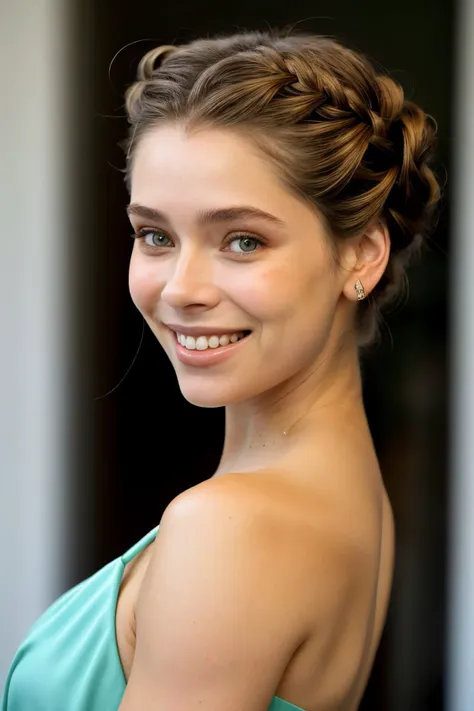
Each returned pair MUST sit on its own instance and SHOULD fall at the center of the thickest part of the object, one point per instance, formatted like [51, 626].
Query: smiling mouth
[204, 343]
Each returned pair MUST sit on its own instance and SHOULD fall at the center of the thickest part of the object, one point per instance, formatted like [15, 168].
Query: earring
[360, 290]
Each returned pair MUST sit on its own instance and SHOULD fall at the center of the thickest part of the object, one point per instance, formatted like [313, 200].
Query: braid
[145, 74]
[340, 132]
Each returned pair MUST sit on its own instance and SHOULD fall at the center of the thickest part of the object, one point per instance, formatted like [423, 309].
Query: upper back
[336, 678]
[349, 508]
[314, 512]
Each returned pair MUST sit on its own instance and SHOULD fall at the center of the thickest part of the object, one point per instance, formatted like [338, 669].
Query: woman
[278, 186]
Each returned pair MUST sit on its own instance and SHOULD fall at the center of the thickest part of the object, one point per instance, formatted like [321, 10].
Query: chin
[208, 394]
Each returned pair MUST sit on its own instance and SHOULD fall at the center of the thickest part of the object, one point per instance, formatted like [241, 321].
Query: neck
[260, 431]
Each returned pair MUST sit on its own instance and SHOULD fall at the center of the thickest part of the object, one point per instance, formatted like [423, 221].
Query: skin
[284, 589]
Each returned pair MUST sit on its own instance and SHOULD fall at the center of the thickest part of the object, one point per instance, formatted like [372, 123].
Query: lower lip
[210, 356]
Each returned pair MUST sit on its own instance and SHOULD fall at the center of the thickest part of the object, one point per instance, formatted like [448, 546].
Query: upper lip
[202, 330]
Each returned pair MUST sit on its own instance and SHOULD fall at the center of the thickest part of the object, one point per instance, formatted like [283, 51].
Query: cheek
[252, 288]
[143, 284]
[282, 290]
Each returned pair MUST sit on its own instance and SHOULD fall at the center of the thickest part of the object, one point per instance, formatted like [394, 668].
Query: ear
[365, 259]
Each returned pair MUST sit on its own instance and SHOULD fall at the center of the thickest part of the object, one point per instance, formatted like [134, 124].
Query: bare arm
[222, 608]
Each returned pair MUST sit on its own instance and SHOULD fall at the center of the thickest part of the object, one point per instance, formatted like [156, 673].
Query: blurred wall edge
[35, 198]
[460, 652]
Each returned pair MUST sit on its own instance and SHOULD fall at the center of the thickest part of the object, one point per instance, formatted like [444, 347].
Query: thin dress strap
[138, 547]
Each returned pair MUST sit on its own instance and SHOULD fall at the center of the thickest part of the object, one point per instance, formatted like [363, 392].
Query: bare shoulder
[313, 542]
[246, 570]
[264, 508]
[243, 521]
[215, 619]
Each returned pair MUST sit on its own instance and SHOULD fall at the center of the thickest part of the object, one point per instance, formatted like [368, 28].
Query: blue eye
[244, 245]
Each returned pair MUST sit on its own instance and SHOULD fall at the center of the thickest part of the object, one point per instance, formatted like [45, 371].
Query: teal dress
[69, 661]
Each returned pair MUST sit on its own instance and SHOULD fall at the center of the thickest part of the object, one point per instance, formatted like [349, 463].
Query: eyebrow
[225, 214]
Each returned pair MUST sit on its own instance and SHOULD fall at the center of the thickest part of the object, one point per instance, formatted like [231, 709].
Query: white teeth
[202, 343]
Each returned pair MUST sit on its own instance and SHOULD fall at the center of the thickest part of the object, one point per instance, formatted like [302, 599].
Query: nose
[189, 284]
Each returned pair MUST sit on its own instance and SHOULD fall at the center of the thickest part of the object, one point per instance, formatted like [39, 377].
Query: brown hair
[340, 131]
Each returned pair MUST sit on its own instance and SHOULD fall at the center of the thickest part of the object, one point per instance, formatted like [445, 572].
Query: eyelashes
[244, 243]
[145, 233]
[237, 243]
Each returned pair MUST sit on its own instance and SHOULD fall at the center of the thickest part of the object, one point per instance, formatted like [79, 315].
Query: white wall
[33, 312]
[460, 649]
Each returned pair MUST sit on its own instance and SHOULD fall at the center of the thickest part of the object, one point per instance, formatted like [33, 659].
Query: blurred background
[90, 458]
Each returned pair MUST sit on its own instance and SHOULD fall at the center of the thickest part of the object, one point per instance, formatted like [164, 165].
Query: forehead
[221, 165]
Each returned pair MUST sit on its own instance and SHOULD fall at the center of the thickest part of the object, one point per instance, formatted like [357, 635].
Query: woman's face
[233, 274]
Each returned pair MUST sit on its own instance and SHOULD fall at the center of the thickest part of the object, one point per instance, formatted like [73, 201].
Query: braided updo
[340, 131]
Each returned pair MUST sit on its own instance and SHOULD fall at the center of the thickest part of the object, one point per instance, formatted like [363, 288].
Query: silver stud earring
[360, 290]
